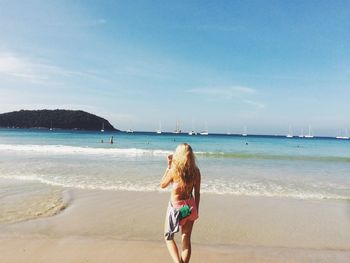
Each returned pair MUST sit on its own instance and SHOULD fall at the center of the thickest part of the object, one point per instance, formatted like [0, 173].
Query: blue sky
[261, 64]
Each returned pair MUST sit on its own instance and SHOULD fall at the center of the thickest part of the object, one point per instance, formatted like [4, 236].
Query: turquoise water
[317, 168]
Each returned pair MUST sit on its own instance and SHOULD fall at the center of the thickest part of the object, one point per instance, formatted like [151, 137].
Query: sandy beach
[109, 109]
[117, 226]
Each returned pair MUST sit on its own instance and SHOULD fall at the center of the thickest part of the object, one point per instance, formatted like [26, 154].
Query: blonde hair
[185, 167]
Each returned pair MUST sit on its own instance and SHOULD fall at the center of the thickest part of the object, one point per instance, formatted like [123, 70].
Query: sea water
[304, 168]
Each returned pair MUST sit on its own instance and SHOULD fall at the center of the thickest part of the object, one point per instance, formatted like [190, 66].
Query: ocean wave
[64, 149]
[263, 156]
[134, 152]
[218, 187]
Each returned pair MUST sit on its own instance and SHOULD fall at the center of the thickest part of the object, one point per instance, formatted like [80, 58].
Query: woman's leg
[171, 245]
[186, 241]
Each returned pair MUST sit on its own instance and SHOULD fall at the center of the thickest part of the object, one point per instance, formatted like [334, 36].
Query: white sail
[309, 135]
[177, 128]
[290, 133]
[205, 132]
[302, 133]
[192, 132]
[245, 131]
[159, 131]
[342, 136]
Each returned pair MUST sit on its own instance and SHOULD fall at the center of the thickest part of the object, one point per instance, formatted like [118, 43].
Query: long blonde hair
[185, 167]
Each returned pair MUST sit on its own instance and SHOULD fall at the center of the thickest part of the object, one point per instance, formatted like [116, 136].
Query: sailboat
[192, 132]
[177, 129]
[302, 133]
[51, 129]
[309, 135]
[290, 133]
[103, 127]
[205, 132]
[345, 137]
[130, 130]
[245, 131]
[159, 131]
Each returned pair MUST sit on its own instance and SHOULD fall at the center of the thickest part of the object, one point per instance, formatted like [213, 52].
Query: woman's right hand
[170, 159]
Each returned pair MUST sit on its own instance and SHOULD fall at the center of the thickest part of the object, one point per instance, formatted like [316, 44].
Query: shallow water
[29, 200]
[315, 168]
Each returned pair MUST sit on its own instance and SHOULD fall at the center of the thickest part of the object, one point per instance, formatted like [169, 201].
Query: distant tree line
[61, 119]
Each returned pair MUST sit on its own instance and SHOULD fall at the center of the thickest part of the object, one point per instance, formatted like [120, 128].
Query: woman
[183, 173]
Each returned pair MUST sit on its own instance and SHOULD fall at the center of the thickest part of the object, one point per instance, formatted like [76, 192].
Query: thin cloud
[219, 28]
[100, 21]
[226, 92]
[24, 69]
[96, 22]
[91, 23]
[254, 103]
[18, 68]
[241, 93]
[212, 28]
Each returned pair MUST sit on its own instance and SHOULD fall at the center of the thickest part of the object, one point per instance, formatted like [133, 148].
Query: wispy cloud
[240, 93]
[255, 103]
[222, 28]
[97, 22]
[88, 23]
[29, 70]
[211, 28]
[15, 67]
[225, 92]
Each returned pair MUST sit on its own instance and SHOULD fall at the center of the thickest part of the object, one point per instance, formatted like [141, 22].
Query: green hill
[60, 119]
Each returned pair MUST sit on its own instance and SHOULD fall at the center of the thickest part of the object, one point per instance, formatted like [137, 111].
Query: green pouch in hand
[185, 211]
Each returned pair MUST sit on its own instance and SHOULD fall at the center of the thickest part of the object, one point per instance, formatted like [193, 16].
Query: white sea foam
[244, 188]
[135, 152]
[85, 185]
[269, 190]
[124, 176]
[64, 150]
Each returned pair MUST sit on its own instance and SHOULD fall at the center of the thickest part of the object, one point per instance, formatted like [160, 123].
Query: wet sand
[111, 226]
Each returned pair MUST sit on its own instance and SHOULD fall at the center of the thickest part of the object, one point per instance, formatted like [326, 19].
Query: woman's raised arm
[167, 178]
